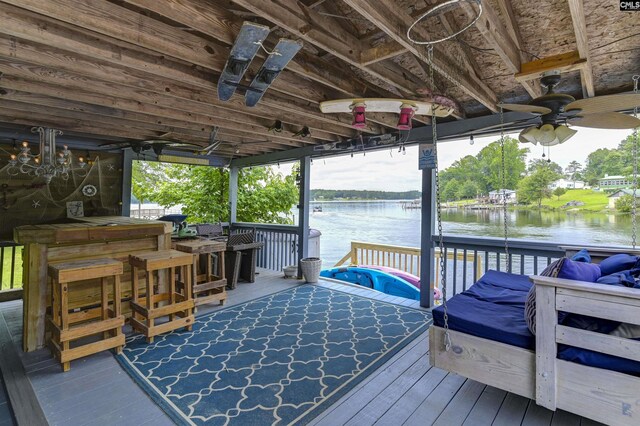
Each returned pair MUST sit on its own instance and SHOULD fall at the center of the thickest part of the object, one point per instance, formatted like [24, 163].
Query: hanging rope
[443, 277]
[505, 216]
[635, 169]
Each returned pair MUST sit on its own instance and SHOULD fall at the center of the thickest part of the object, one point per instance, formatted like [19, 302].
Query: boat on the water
[377, 280]
[317, 209]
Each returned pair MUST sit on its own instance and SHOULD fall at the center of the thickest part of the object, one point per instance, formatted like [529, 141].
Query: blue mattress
[493, 308]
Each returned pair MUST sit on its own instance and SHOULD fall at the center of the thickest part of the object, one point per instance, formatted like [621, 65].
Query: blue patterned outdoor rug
[280, 359]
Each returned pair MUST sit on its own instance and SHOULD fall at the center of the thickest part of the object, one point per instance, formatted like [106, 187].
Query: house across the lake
[567, 184]
[614, 182]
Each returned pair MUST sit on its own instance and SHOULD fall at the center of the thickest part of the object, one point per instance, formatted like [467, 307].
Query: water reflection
[387, 223]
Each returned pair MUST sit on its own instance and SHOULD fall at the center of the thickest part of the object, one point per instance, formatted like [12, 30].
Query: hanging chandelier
[48, 163]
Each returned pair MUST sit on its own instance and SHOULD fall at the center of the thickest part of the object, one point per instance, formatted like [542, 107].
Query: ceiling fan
[157, 145]
[557, 110]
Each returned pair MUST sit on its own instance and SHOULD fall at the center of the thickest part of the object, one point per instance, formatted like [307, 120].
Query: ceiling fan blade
[607, 103]
[533, 109]
[115, 145]
[606, 120]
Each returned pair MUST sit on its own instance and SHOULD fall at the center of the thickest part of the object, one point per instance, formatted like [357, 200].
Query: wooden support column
[427, 224]
[303, 209]
[233, 195]
[127, 168]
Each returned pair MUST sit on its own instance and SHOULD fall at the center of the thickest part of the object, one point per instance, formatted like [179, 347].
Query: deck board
[406, 390]
[512, 410]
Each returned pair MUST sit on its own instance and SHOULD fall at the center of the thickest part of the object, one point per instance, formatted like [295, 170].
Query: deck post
[303, 210]
[426, 238]
[127, 169]
[233, 195]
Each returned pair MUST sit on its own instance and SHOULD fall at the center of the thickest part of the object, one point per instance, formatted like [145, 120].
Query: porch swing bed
[585, 372]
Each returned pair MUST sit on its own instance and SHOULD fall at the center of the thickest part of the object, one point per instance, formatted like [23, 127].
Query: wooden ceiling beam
[159, 94]
[131, 38]
[503, 39]
[218, 22]
[381, 52]
[389, 18]
[325, 33]
[186, 135]
[582, 42]
[289, 109]
[88, 95]
[100, 113]
[135, 99]
[533, 88]
[81, 127]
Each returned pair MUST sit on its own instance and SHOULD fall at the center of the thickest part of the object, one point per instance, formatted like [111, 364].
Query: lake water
[386, 222]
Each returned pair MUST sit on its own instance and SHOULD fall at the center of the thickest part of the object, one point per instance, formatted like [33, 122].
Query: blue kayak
[376, 280]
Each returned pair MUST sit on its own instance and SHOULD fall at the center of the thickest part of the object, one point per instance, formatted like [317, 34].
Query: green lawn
[593, 200]
[6, 268]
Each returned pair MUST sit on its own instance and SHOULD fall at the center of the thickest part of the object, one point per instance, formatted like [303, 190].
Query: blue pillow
[579, 271]
[582, 256]
[622, 278]
[617, 263]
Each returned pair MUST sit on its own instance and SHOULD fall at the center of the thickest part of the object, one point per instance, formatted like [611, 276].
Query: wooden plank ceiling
[141, 69]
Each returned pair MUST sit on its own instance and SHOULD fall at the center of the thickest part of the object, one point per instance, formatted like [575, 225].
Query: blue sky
[391, 171]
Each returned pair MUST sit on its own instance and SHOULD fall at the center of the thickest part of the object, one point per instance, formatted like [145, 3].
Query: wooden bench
[178, 307]
[207, 286]
[103, 320]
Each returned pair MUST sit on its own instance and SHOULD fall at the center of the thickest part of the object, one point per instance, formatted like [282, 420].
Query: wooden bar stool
[207, 287]
[103, 320]
[145, 310]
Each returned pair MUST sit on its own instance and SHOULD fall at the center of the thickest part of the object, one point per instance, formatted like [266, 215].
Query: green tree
[263, 194]
[624, 204]
[594, 169]
[485, 169]
[266, 196]
[535, 187]
[450, 191]
[559, 192]
[145, 177]
[490, 159]
[468, 190]
[572, 171]
[540, 162]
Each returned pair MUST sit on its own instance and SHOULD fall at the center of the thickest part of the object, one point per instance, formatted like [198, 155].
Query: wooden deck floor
[405, 391]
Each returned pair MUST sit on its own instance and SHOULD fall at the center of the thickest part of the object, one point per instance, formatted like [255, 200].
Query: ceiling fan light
[564, 133]
[546, 134]
[529, 135]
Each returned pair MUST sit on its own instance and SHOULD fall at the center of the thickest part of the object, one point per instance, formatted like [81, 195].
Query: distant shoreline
[360, 201]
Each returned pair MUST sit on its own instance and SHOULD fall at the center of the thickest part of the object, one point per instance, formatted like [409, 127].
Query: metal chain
[635, 169]
[505, 216]
[443, 277]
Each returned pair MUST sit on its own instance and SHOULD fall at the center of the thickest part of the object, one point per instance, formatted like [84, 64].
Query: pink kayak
[410, 278]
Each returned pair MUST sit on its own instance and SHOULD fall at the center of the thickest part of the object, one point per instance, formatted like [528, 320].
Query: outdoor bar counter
[112, 237]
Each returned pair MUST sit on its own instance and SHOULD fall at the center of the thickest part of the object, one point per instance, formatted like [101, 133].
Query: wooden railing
[10, 265]
[406, 259]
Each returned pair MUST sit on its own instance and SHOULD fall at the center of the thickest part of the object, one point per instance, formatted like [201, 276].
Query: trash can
[314, 242]
[310, 267]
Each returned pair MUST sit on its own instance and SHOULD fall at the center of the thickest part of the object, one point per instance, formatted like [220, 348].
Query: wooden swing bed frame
[606, 396]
